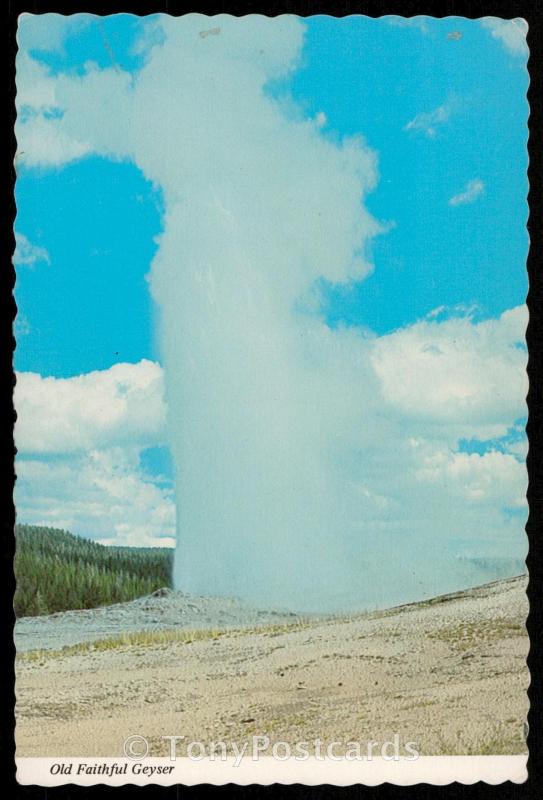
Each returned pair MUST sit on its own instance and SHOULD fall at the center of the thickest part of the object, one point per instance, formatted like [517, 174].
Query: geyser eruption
[315, 468]
[284, 454]
[263, 207]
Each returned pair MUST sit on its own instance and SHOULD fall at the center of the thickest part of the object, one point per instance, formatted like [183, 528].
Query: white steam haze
[316, 468]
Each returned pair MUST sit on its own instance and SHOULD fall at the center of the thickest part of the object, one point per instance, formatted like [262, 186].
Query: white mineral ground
[449, 674]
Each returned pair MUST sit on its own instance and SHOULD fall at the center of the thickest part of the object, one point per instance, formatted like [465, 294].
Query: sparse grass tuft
[155, 638]
[468, 634]
[498, 739]
[275, 629]
[123, 640]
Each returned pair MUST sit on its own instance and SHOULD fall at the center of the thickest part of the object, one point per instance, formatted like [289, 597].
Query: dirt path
[449, 674]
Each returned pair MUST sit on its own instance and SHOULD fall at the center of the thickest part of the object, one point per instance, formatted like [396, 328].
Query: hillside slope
[449, 674]
[56, 571]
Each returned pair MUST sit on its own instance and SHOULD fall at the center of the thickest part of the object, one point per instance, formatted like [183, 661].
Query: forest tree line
[57, 571]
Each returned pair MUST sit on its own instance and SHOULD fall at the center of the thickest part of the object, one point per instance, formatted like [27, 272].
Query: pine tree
[56, 571]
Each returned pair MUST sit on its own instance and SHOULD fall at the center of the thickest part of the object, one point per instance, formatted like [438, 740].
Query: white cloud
[28, 254]
[41, 136]
[466, 375]
[46, 144]
[510, 32]
[35, 87]
[101, 494]
[79, 442]
[518, 448]
[428, 122]
[21, 326]
[44, 127]
[121, 405]
[321, 119]
[473, 190]
[458, 310]
[419, 23]
[494, 476]
[48, 32]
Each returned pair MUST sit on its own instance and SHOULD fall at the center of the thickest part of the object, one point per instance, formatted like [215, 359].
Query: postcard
[270, 386]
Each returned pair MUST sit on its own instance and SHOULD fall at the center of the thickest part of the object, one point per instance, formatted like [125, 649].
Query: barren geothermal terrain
[448, 674]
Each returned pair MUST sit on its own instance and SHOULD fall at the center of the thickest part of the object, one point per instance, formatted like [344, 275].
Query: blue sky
[436, 254]
[441, 107]
[97, 221]
[433, 254]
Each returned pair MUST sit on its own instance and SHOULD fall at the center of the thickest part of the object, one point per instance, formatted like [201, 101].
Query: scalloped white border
[436, 770]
